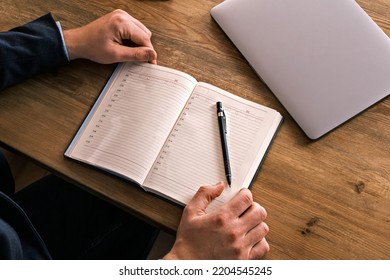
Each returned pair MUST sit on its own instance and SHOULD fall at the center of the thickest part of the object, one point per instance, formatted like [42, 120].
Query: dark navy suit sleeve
[30, 49]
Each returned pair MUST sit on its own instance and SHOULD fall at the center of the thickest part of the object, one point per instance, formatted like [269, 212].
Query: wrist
[173, 254]
[181, 250]
[62, 38]
[170, 256]
[72, 43]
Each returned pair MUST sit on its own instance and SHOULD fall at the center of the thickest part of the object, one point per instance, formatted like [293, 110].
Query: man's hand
[234, 231]
[103, 40]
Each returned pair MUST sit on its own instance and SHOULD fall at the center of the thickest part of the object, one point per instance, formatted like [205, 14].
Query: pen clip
[221, 114]
[224, 122]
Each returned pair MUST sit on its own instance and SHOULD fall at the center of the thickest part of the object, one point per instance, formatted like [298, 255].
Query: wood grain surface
[326, 199]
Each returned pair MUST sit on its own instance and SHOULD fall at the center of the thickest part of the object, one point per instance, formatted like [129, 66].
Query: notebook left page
[131, 119]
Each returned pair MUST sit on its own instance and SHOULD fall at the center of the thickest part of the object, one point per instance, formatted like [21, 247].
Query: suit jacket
[25, 51]
[18, 237]
[30, 49]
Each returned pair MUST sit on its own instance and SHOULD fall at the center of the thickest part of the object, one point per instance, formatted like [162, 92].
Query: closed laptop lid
[325, 60]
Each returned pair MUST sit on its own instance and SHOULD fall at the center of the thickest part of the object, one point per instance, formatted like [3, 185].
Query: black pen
[222, 131]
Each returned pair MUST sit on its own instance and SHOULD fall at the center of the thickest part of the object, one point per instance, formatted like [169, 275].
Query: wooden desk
[328, 199]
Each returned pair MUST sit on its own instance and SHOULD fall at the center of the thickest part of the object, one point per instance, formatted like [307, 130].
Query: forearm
[31, 49]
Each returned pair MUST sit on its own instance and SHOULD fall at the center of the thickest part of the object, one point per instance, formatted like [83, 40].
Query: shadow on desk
[26, 172]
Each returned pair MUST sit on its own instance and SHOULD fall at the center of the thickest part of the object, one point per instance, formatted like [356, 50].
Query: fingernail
[150, 55]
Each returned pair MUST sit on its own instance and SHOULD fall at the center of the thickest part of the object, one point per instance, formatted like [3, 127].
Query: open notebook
[158, 127]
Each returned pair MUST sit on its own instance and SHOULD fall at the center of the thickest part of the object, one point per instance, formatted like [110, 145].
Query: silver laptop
[325, 60]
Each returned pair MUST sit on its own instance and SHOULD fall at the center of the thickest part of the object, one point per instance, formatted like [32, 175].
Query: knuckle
[119, 15]
[261, 231]
[202, 189]
[239, 251]
[233, 236]
[259, 211]
[246, 196]
[189, 208]
[118, 18]
[222, 220]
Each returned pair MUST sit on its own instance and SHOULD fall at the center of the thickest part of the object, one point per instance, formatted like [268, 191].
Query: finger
[259, 250]
[251, 225]
[124, 53]
[254, 215]
[203, 197]
[138, 35]
[240, 202]
[141, 26]
[256, 234]
[154, 61]
[129, 28]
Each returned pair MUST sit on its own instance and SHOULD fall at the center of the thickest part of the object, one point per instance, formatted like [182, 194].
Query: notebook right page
[192, 155]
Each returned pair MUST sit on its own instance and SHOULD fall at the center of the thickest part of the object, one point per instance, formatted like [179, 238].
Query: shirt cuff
[63, 40]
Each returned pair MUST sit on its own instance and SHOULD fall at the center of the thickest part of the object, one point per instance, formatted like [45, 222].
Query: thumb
[203, 197]
[136, 54]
